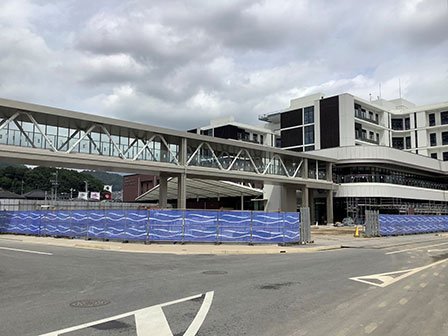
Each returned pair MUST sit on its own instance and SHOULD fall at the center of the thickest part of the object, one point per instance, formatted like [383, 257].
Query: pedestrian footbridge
[41, 135]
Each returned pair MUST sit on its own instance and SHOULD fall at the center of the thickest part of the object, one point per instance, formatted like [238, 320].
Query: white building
[385, 151]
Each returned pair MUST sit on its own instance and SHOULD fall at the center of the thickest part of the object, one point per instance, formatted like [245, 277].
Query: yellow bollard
[356, 235]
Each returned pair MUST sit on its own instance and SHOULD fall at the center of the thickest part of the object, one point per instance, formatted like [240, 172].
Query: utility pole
[54, 186]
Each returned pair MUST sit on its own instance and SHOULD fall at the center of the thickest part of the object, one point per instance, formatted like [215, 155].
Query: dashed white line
[416, 248]
[25, 251]
[403, 301]
[438, 250]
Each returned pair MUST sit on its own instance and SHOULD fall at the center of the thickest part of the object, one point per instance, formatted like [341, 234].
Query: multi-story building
[385, 151]
[228, 128]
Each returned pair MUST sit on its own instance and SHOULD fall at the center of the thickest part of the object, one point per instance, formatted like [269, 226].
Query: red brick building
[137, 184]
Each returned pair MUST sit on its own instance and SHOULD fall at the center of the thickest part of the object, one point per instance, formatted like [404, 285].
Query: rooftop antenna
[370, 97]
[399, 85]
[379, 85]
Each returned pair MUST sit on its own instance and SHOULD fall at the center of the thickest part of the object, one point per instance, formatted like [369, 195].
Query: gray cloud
[178, 64]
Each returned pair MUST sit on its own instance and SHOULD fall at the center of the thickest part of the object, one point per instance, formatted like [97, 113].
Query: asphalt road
[285, 294]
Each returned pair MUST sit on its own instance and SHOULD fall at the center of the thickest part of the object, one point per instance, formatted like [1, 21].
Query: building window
[371, 135]
[397, 124]
[255, 137]
[397, 143]
[444, 118]
[278, 142]
[407, 123]
[308, 115]
[261, 139]
[445, 156]
[432, 139]
[309, 135]
[432, 119]
[434, 156]
[208, 132]
[309, 148]
[408, 142]
[377, 137]
[444, 138]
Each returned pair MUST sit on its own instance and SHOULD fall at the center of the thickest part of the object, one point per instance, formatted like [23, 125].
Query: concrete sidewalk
[321, 243]
[189, 248]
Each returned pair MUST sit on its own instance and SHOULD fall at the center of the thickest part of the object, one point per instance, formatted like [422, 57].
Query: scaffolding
[356, 207]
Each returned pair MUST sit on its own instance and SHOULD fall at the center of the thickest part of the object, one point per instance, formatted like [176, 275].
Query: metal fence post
[218, 214]
[283, 225]
[305, 226]
[183, 226]
[251, 227]
[148, 228]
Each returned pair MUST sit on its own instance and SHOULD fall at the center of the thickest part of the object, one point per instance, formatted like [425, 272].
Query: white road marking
[151, 320]
[370, 328]
[416, 248]
[403, 301]
[200, 316]
[25, 251]
[385, 279]
[438, 250]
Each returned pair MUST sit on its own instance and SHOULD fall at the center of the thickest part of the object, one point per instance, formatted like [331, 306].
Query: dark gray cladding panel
[329, 122]
[292, 137]
[291, 118]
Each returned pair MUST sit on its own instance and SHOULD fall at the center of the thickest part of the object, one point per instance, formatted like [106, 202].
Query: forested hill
[20, 179]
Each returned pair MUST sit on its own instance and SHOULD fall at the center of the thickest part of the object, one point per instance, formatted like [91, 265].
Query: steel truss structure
[75, 133]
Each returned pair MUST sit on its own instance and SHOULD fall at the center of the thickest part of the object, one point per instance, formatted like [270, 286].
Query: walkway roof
[198, 188]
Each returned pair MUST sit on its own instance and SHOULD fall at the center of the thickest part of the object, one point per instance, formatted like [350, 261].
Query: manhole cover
[89, 303]
[214, 272]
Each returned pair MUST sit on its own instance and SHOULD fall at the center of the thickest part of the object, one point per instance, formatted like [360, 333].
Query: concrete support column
[312, 207]
[305, 168]
[182, 191]
[305, 197]
[163, 191]
[182, 158]
[330, 218]
[329, 171]
[288, 199]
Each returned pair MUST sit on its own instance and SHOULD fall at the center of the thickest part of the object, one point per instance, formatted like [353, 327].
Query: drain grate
[89, 303]
[214, 272]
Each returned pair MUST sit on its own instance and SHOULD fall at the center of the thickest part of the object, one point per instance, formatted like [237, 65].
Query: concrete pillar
[329, 171]
[305, 168]
[163, 191]
[330, 218]
[182, 191]
[305, 197]
[183, 152]
[288, 199]
[312, 207]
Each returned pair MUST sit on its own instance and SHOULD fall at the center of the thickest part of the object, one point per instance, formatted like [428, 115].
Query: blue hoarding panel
[157, 225]
[411, 224]
[234, 226]
[200, 226]
[165, 225]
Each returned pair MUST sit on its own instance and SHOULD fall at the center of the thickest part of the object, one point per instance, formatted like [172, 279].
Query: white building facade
[390, 155]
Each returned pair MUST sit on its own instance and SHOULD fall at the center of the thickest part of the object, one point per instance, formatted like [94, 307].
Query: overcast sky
[181, 63]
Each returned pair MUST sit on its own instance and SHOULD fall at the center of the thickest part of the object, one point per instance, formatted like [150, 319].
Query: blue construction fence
[157, 225]
[392, 225]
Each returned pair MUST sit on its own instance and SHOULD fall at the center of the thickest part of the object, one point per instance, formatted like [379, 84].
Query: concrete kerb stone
[186, 249]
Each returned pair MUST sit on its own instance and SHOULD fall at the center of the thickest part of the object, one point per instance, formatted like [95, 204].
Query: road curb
[173, 249]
